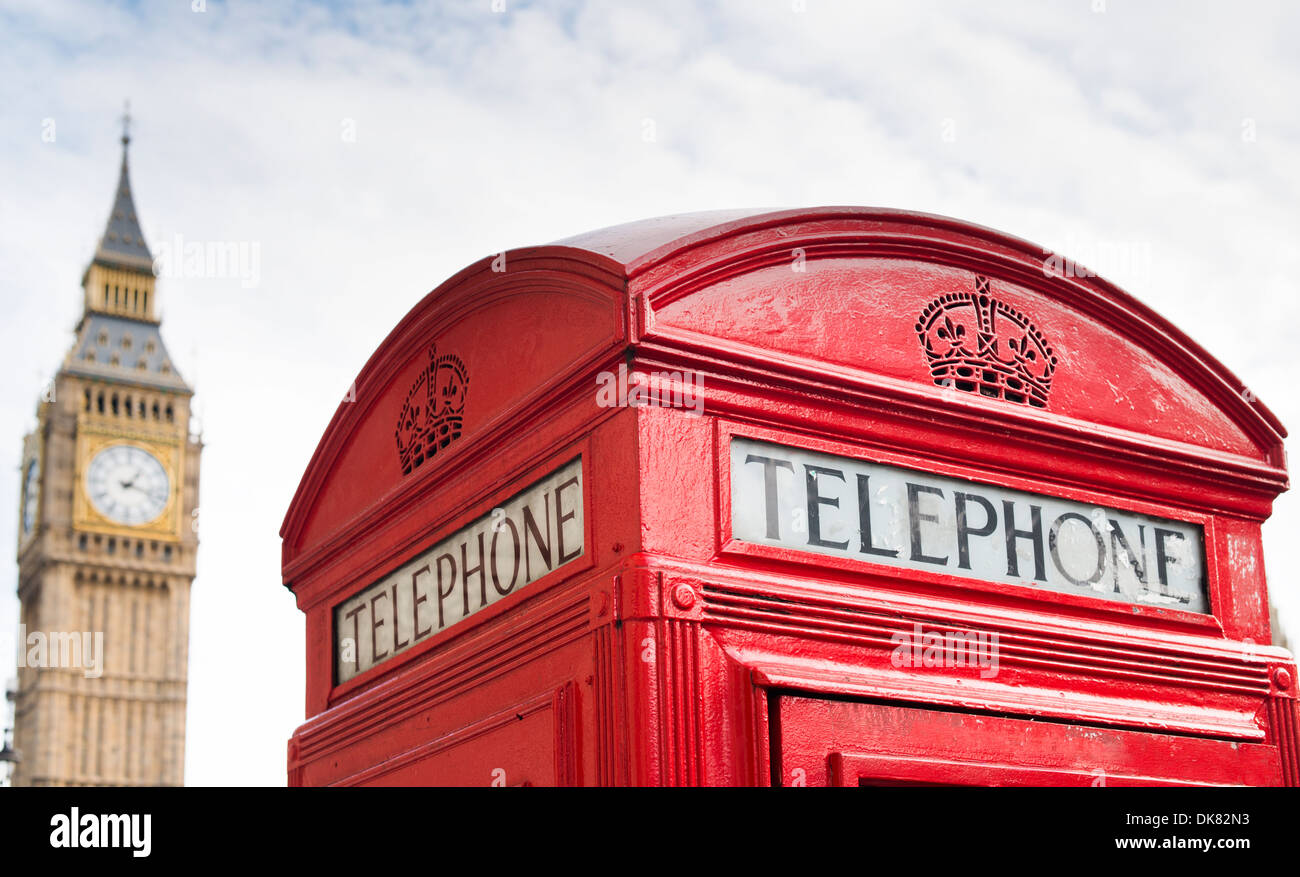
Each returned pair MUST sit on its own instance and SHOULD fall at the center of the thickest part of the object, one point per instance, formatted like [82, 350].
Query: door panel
[850, 743]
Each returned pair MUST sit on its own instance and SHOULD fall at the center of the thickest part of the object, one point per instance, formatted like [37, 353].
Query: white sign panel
[898, 517]
[530, 535]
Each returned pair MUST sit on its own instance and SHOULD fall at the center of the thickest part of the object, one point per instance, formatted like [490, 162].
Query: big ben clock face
[127, 484]
[31, 495]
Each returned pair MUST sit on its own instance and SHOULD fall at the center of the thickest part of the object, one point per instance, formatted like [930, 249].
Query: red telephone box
[836, 496]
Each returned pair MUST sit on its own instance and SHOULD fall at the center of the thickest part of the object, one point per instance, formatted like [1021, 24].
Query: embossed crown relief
[975, 343]
[434, 412]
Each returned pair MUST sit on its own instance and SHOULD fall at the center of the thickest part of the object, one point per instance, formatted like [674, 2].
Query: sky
[362, 153]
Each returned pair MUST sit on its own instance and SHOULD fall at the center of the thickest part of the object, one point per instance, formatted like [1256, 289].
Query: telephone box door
[851, 743]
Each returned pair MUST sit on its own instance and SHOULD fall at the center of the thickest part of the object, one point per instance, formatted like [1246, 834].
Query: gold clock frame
[167, 526]
[31, 453]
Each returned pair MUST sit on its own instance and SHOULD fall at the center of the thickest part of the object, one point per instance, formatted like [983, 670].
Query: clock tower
[107, 538]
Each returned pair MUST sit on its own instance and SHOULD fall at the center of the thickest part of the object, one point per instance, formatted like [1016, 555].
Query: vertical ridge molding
[295, 764]
[644, 747]
[606, 708]
[564, 707]
[690, 634]
[663, 660]
[1283, 719]
[680, 702]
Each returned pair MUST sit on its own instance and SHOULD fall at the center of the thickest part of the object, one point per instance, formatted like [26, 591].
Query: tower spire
[120, 277]
[122, 244]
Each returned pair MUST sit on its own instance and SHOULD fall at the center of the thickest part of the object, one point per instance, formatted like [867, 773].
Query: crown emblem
[434, 412]
[978, 344]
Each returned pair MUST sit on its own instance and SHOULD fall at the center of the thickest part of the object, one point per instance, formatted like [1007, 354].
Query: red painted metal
[673, 654]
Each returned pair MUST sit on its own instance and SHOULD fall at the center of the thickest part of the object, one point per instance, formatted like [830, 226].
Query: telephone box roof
[715, 292]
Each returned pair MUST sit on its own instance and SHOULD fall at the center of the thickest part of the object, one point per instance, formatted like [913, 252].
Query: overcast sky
[366, 152]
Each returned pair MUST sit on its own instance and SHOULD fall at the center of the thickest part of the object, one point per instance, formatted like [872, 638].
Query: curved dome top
[922, 316]
[638, 247]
